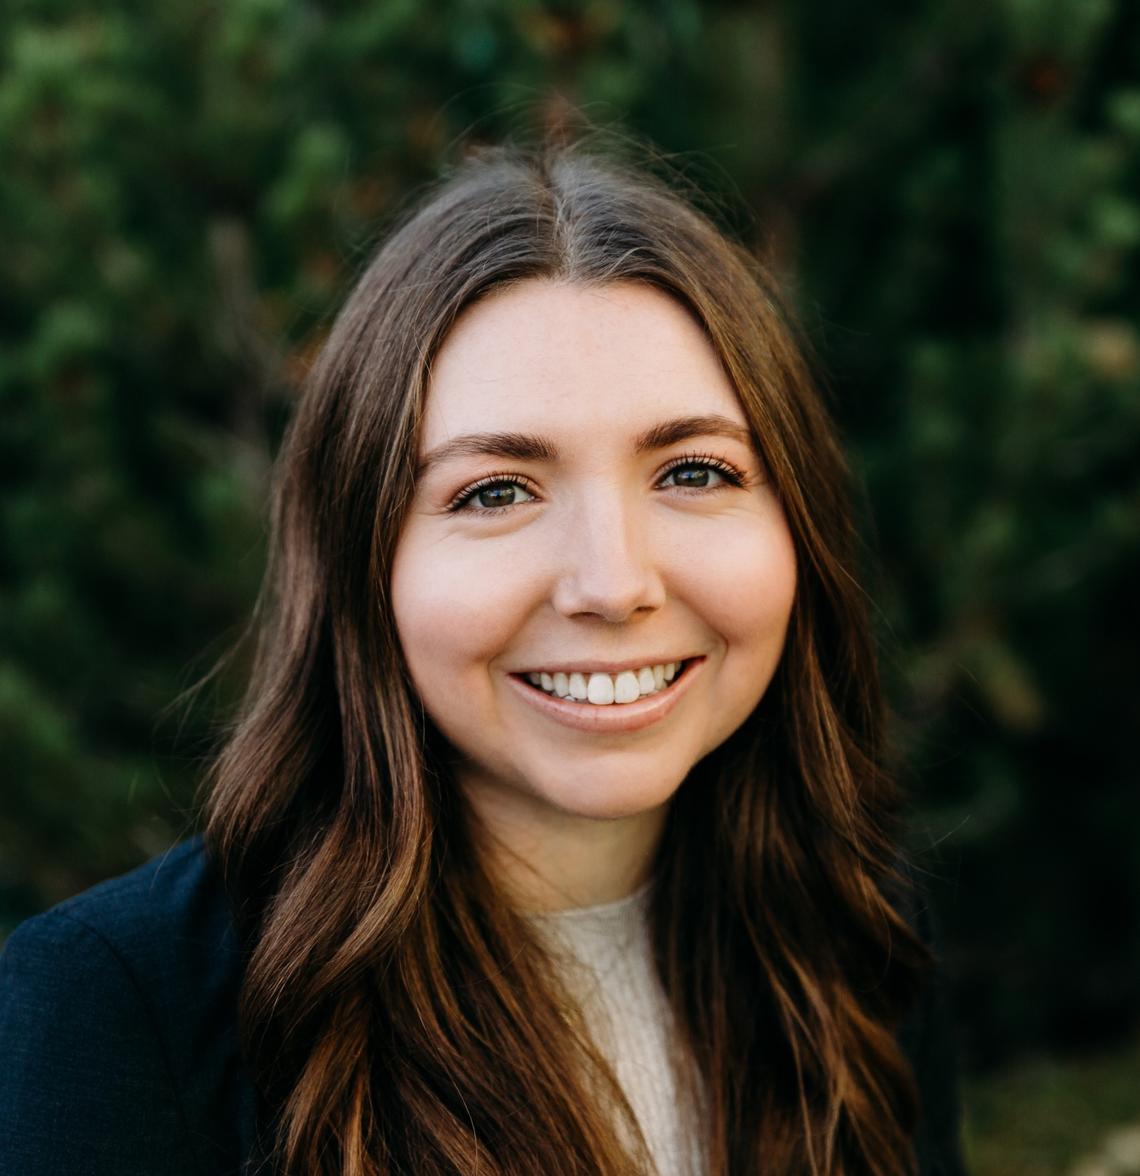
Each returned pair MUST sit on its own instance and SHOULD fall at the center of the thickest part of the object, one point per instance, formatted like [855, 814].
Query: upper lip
[588, 666]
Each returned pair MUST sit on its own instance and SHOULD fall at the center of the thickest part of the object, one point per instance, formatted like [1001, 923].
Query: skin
[600, 554]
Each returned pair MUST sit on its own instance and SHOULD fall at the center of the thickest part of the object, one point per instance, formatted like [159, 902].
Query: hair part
[395, 1009]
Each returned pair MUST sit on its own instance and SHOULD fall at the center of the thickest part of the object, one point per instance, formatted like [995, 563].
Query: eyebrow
[529, 447]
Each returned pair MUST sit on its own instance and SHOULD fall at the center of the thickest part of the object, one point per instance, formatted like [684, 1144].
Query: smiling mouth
[599, 689]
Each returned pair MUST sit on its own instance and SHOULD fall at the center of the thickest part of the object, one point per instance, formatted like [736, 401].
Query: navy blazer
[118, 1039]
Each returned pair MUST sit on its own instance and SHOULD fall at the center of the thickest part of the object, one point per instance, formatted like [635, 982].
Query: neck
[547, 860]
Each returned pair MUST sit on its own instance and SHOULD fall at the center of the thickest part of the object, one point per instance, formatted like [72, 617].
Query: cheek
[743, 587]
[449, 617]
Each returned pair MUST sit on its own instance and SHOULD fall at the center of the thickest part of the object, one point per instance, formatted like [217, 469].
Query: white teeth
[606, 689]
[626, 688]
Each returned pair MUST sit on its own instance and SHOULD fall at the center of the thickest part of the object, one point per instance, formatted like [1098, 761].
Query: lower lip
[616, 718]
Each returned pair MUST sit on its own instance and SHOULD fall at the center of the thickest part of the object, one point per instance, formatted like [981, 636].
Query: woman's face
[590, 510]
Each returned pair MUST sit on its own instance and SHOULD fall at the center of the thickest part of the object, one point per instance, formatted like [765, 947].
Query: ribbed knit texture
[606, 960]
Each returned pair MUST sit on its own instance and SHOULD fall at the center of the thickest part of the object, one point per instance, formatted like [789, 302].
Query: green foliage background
[952, 192]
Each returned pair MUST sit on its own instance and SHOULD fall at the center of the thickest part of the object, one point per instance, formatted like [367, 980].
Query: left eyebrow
[529, 447]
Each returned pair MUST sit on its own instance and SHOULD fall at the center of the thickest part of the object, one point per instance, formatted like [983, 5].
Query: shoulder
[159, 939]
[173, 904]
[118, 1010]
[176, 890]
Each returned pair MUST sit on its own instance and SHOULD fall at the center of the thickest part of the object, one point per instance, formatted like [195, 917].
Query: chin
[608, 798]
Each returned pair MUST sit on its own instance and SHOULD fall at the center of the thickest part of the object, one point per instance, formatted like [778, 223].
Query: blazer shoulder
[166, 923]
[120, 1005]
[178, 889]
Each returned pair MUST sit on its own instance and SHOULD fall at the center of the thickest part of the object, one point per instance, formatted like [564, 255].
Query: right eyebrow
[520, 446]
[530, 447]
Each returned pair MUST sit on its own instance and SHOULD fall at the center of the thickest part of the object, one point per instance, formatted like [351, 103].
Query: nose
[607, 566]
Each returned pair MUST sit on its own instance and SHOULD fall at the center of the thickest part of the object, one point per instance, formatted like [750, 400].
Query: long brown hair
[398, 1016]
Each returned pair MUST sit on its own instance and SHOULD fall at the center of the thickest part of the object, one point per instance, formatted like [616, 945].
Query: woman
[555, 828]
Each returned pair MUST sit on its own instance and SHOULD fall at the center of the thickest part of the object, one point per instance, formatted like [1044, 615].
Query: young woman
[554, 836]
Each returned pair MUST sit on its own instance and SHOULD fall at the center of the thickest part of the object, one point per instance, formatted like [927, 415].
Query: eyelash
[731, 475]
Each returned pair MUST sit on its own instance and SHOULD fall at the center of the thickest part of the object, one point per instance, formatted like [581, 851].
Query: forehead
[549, 356]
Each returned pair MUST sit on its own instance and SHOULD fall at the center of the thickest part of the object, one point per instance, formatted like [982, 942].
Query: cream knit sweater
[606, 960]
